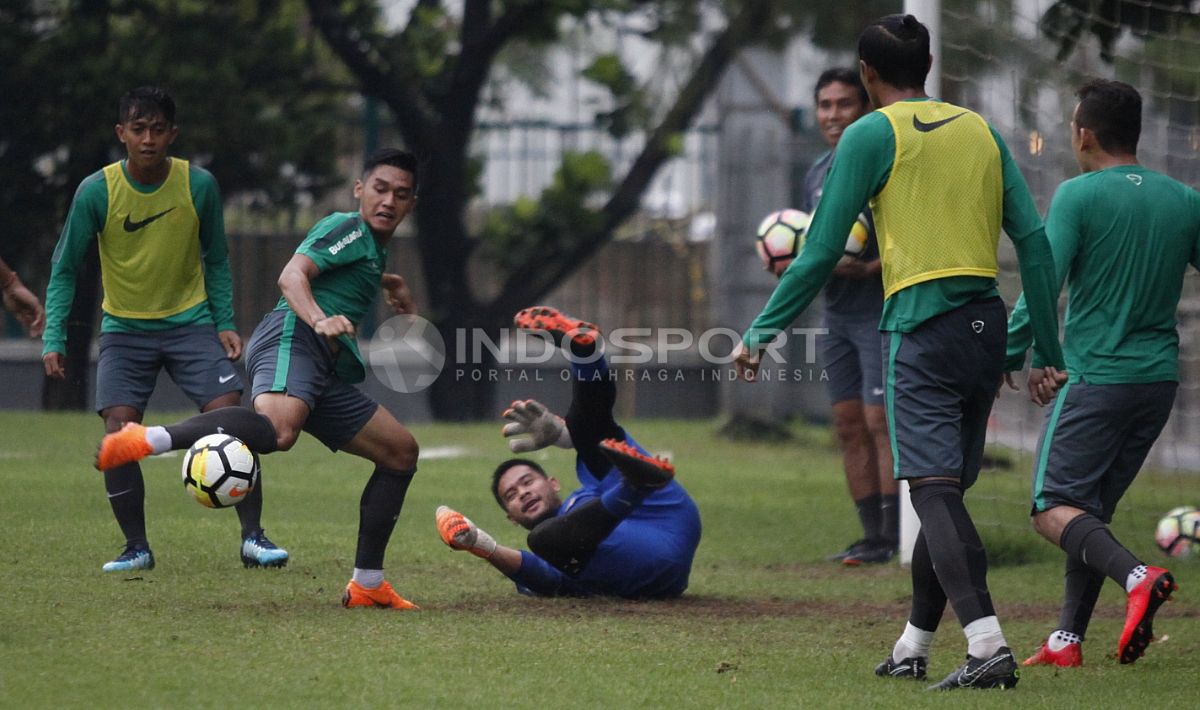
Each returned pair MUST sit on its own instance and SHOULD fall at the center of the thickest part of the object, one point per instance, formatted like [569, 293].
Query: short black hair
[897, 46]
[1113, 111]
[842, 75]
[503, 469]
[146, 101]
[394, 157]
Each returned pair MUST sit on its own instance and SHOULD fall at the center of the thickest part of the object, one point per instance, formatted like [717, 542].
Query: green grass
[766, 622]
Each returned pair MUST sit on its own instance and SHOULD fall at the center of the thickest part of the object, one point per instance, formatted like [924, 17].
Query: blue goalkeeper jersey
[648, 555]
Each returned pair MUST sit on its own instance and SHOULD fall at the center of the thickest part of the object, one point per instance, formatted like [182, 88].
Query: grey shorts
[286, 355]
[852, 355]
[1094, 442]
[192, 354]
[942, 379]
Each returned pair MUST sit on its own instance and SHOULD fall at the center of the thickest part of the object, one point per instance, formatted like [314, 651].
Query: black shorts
[852, 355]
[286, 355]
[1094, 442]
[192, 355]
[941, 381]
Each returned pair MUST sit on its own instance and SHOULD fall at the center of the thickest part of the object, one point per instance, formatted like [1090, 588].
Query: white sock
[368, 578]
[913, 643]
[984, 637]
[1135, 578]
[158, 439]
[1061, 639]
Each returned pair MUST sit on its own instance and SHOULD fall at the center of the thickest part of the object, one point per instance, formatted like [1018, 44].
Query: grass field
[766, 623]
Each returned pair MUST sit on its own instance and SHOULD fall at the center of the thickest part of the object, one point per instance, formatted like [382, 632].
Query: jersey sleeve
[538, 577]
[861, 166]
[85, 220]
[218, 282]
[1024, 227]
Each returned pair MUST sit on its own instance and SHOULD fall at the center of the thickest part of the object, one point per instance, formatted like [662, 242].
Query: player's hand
[398, 296]
[333, 326]
[28, 310]
[457, 531]
[1008, 380]
[55, 365]
[539, 426]
[849, 267]
[1044, 383]
[746, 362]
[232, 342]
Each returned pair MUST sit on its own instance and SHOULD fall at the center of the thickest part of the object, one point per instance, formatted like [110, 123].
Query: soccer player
[941, 183]
[168, 302]
[303, 361]
[21, 302]
[851, 351]
[630, 531]
[1122, 237]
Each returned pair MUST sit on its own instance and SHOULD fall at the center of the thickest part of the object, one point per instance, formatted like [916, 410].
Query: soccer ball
[219, 470]
[856, 243]
[780, 237]
[1178, 533]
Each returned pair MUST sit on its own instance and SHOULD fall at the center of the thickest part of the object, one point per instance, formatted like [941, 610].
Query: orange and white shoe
[1140, 606]
[122, 447]
[564, 328]
[383, 597]
[1069, 656]
[450, 525]
[638, 468]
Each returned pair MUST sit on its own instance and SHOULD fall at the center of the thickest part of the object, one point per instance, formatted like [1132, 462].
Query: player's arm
[398, 295]
[85, 219]
[1024, 227]
[218, 282]
[295, 281]
[860, 169]
[21, 302]
[1194, 201]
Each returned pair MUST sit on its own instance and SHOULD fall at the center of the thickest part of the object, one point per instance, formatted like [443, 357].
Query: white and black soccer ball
[780, 237]
[219, 470]
[1178, 533]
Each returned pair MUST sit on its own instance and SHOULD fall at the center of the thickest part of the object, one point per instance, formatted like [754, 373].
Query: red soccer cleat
[563, 327]
[1140, 606]
[122, 447]
[1069, 656]
[638, 468]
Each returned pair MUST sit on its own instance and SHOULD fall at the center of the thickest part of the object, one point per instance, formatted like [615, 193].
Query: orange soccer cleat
[451, 524]
[1140, 606]
[122, 447]
[1069, 656]
[638, 468]
[383, 597]
[563, 327]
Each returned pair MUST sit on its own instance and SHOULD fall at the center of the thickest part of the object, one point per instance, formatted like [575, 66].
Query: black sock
[889, 518]
[928, 599]
[868, 515]
[1083, 586]
[126, 494]
[955, 549]
[1089, 539]
[569, 541]
[249, 511]
[378, 510]
[590, 417]
[255, 430]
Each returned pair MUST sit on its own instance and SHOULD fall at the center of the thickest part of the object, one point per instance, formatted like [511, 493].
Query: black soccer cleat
[638, 468]
[871, 553]
[999, 671]
[913, 668]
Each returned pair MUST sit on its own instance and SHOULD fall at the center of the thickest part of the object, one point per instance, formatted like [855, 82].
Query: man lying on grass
[630, 531]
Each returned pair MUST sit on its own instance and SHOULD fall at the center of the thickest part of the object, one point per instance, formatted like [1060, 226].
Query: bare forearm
[506, 560]
[298, 293]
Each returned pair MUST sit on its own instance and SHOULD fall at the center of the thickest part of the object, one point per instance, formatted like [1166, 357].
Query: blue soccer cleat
[258, 551]
[132, 558]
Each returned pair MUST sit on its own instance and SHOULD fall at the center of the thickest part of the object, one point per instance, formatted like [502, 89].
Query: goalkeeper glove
[542, 427]
[460, 533]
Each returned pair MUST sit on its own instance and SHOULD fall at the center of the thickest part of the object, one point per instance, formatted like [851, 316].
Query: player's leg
[871, 360]
[568, 541]
[1064, 646]
[197, 363]
[347, 419]
[125, 377]
[910, 655]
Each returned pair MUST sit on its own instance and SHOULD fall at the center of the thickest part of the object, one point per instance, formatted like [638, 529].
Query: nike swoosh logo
[131, 226]
[969, 676]
[120, 493]
[225, 379]
[927, 127]
[237, 492]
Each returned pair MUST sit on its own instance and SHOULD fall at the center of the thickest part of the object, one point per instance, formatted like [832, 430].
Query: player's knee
[543, 540]
[850, 431]
[402, 451]
[285, 436]
[117, 417]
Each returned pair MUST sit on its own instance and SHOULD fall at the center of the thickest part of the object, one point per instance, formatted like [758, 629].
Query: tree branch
[533, 280]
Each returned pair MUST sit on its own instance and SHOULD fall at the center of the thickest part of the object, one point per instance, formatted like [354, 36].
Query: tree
[431, 73]
[254, 95]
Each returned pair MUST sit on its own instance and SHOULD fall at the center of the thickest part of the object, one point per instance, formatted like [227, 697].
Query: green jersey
[86, 220]
[861, 169]
[350, 265]
[1122, 238]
